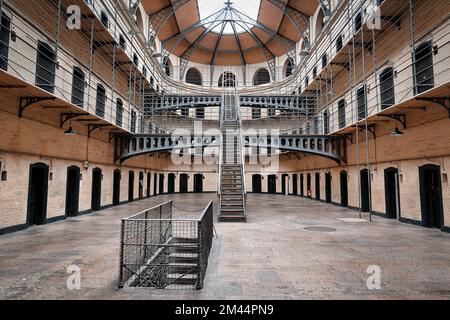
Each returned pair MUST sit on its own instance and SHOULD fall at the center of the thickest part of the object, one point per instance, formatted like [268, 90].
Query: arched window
[45, 67]
[361, 96]
[358, 21]
[339, 44]
[261, 76]
[341, 113]
[387, 91]
[326, 122]
[227, 79]
[423, 65]
[119, 112]
[4, 40]
[289, 66]
[167, 65]
[78, 87]
[133, 121]
[193, 76]
[104, 19]
[100, 101]
[319, 23]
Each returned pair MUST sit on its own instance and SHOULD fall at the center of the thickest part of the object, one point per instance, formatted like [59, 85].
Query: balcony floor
[273, 256]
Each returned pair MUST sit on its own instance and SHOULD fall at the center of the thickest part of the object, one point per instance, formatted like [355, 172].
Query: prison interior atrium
[202, 149]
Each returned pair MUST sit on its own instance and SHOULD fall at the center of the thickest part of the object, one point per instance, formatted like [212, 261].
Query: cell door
[365, 191]
[344, 189]
[116, 187]
[96, 193]
[141, 185]
[391, 192]
[171, 184]
[161, 183]
[198, 183]
[72, 191]
[317, 185]
[431, 196]
[272, 184]
[256, 182]
[183, 183]
[149, 179]
[284, 187]
[37, 194]
[294, 184]
[131, 186]
[328, 187]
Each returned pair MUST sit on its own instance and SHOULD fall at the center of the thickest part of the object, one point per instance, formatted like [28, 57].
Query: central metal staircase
[232, 192]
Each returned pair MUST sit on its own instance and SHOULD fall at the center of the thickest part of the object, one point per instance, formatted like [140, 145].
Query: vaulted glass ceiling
[209, 7]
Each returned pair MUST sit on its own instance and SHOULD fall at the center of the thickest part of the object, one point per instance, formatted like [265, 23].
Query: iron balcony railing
[159, 252]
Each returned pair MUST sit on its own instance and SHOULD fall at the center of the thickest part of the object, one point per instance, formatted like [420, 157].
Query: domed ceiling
[227, 34]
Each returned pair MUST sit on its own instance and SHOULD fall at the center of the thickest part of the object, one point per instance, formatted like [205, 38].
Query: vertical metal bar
[58, 29]
[121, 254]
[91, 60]
[413, 44]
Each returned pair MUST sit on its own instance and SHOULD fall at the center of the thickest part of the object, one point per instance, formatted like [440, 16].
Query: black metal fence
[160, 252]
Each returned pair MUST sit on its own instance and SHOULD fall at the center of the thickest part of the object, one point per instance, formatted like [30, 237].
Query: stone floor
[272, 256]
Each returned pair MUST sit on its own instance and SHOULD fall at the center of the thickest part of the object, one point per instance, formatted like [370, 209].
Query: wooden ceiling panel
[228, 59]
[191, 37]
[169, 29]
[152, 6]
[188, 14]
[247, 41]
[275, 47]
[254, 56]
[307, 7]
[270, 15]
[228, 42]
[201, 56]
[288, 30]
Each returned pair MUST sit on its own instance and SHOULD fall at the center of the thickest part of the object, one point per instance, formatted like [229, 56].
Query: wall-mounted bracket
[398, 117]
[26, 102]
[93, 127]
[442, 101]
[370, 127]
[69, 116]
[341, 64]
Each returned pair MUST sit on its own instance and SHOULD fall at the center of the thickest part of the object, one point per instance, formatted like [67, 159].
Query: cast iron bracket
[442, 101]
[25, 102]
[69, 116]
[398, 117]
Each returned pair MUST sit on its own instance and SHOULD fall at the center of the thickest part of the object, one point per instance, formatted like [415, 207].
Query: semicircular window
[227, 79]
[261, 76]
[193, 76]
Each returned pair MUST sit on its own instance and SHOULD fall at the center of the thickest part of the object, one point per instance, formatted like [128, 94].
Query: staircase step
[174, 278]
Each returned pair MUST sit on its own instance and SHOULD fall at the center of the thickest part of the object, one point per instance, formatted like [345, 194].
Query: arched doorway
[391, 192]
[131, 186]
[37, 194]
[72, 191]
[302, 185]
[161, 183]
[317, 185]
[294, 184]
[149, 184]
[198, 183]
[365, 190]
[183, 183]
[155, 184]
[256, 183]
[171, 183]
[272, 184]
[344, 189]
[308, 186]
[328, 187]
[96, 195]
[117, 176]
[141, 185]
[431, 196]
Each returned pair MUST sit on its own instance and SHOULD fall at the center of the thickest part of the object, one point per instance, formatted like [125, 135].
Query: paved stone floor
[273, 256]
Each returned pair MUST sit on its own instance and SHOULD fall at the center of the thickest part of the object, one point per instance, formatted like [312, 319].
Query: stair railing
[241, 150]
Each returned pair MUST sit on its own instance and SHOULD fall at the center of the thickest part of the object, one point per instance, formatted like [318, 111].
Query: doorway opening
[198, 183]
[392, 194]
[431, 196]
[272, 184]
[155, 184]
[130, 186]
[294, 184]
[256, 183]
[171, 183]
[72, 191]
[161, 183]
[365, 190]
[183, 183]
[317, 185]
[302, 186]
[284, 184]
[328, 187]
[37, 194]
[344, 189]
[149, 183]
[308, 186]
[141, 185]
[116, 187]
[96, 194]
